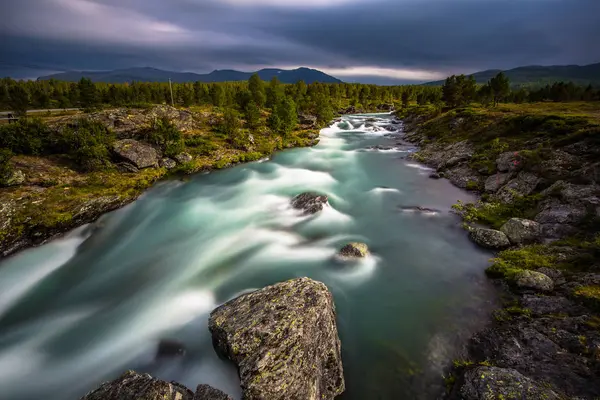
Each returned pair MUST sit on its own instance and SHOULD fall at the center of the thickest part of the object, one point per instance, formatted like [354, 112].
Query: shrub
[26, 136]
[165, 134]
[5, 167]
[87, 143]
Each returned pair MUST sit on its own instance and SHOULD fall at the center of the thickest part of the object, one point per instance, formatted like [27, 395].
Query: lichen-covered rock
[168, 163]
[183, 158]
[495, 182]
[139, 154]
[206, 392]
[310, 203]
[284, 341]
[134, 386]
[462, 176]
[16, 178]
[521, 231]
[523, 185]
[483, 383]
[354, 250]
[534, 280]
[489, 238]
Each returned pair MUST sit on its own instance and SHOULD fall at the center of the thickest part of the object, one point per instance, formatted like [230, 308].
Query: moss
[473, 185]
[589, 295]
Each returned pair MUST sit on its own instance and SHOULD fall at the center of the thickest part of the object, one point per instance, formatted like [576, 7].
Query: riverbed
[83, 309]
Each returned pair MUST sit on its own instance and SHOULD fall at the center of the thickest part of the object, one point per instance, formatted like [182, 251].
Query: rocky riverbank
[282, 338]
[537, 171]
[49, 195]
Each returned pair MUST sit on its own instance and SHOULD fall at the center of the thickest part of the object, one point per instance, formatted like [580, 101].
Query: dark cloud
[388, 40]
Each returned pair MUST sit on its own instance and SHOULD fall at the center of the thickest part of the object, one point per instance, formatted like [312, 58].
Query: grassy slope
[535, 130]
[57, 197]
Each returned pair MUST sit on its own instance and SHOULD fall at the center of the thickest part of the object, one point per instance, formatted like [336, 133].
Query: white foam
[380, 190]
[419, 166]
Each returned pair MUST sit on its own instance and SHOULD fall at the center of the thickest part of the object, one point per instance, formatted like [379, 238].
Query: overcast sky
[380, 41]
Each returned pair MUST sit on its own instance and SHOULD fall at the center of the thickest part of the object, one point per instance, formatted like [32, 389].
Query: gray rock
[16, 178]
[534, 280]
[183, 158]
[354, 250]
[483, 383]
[508, 162]
[284, 341]
[139, 154]
[522, 231]
[127, 167]
[495, 182]
[206, 392]
[523, 185]
[134, 386]
[552, 273]
[558, 219]
[435, 175]
[310, 203]
[489, 238]
[462, 176]
[544, 305]
[168, 163]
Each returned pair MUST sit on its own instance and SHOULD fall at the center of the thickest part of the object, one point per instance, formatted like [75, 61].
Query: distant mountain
[540, 75]
[156, 75]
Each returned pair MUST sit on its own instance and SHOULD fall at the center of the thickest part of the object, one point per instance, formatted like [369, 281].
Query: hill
[148, 74]
[541, 75]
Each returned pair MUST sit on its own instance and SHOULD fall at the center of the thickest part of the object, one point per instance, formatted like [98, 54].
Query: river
[84, 308]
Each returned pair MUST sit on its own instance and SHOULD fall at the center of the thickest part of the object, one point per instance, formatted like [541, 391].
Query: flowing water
[85, 308]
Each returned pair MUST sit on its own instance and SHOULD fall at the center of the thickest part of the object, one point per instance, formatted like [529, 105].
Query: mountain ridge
[150, 74]
[540, 74]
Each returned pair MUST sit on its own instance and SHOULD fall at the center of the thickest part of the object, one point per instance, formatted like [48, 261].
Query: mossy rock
[354, 250]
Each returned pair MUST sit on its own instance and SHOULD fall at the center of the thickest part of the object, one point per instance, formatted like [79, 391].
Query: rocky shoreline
[545, 342]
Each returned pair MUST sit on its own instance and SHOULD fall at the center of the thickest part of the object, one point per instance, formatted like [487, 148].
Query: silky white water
[85, 308]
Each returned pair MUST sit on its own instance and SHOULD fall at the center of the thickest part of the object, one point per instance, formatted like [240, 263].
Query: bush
[5, 167]
[87, 143]
[26, 136]
[165, 134]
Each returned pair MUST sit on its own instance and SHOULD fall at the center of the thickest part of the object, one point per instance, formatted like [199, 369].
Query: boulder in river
[489, 238]
[284, 341]
[139, 154]
[521, 231]
[484, 382]
[534, 280]
[309, 202]
[354, 250]
[134, 386]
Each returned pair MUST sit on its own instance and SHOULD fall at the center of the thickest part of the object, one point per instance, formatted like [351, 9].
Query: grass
[589, 295]
[510, 262]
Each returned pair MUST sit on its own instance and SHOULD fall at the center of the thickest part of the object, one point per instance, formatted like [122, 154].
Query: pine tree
[257, 89]
[88, 94]
[288, 115]
[500, 86]
[252, 115]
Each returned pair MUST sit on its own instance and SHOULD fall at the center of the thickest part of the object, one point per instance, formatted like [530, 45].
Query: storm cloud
[381, 41]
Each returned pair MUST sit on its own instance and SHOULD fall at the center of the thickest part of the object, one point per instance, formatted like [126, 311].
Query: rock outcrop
[139, 154]
[309, 203]
[284, 341]
[354, 250]
[522, 231]
[489, 238]
[482, 383]
[134, 386]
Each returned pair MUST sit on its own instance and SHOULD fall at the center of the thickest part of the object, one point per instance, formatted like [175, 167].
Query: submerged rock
[170, 348]
[354, 250]
[134, 386]
[435, 175]
[424, 210]
[489, 238]
[139, 154]
[534, 280]
[521, 231]
[310, 203]
[284, 341]
[482, 383]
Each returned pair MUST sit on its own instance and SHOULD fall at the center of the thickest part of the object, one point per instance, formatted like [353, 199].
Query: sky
[371, 41]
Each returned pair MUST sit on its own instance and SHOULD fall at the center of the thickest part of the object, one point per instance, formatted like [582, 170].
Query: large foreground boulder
[521, 231]
[310, 203]
[284, 341]
[489, 238]
[139, 154]
[482, 383]
[134, 386]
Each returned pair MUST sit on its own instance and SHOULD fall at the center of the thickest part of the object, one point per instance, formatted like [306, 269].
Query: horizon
[382, 41]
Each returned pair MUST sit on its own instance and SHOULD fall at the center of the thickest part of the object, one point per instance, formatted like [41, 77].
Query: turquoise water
[82, 309]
